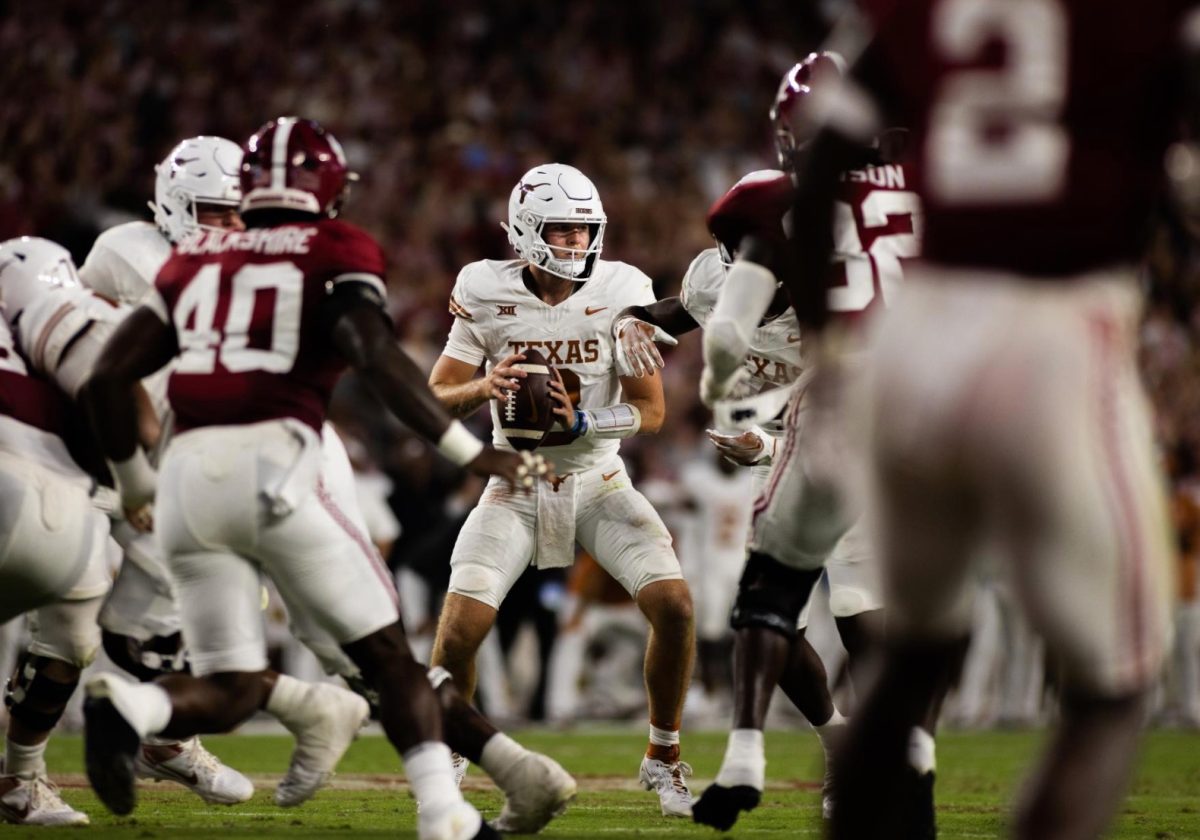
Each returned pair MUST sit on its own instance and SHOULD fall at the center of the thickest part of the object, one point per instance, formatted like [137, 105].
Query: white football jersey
[51, 325]
[724, 502]
[122, 266]
[124, 261]
[774, 357]
[496, 316]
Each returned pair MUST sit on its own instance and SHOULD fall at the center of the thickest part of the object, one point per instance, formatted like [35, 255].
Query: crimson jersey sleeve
[249, 312]
[755, 204]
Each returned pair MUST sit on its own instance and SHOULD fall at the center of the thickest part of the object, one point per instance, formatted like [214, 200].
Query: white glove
[753, 446]
[637, 354]
[712, 390]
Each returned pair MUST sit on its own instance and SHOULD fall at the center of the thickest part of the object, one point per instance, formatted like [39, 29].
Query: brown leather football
[526, 416]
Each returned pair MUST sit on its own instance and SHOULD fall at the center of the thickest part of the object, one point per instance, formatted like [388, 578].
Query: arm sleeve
[108, 273]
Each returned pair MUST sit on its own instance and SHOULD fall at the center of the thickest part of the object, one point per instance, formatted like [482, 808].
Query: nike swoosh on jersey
[590, 311]
[609, 475]
[792, 339]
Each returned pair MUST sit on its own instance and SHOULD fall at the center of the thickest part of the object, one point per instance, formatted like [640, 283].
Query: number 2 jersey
[1038, 126]
[251, 315]
[496, 316]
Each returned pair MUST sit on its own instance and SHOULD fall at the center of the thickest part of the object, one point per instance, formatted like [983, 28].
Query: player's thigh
[493, 549]
[1087, 522]
[326, 568]
[67, 630]
[798, 520]
[142, 601]
[853, 573]
[49, 538]
[626, 536]
[220, 604]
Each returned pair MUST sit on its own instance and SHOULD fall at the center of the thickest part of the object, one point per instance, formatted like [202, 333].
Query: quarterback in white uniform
[560, 298]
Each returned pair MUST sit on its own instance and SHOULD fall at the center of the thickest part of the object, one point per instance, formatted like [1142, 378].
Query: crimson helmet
[294, 164]
[791, 115]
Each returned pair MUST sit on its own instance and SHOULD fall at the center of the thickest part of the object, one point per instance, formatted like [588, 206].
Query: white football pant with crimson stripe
[1008, 417]
[235, 502]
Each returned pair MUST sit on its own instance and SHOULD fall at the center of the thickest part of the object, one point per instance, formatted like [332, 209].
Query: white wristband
[136, 479]
[615, 422]
[459, 445]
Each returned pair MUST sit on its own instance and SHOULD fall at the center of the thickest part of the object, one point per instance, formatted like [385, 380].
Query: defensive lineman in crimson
[561, 298]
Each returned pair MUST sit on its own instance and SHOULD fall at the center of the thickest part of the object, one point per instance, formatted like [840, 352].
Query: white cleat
[194, 767]
[34, 800]
[669, 781]
[335, 716]
[541, 791]
[459, 821]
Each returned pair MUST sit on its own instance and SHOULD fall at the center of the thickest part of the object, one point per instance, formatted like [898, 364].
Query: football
[526, 416]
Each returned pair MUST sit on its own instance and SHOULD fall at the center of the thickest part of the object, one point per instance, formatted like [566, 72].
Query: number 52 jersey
[250, 313]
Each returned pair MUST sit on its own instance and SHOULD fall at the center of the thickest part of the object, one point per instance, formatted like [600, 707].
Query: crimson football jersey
[1039, 126]
[247, 310]
[877, 225]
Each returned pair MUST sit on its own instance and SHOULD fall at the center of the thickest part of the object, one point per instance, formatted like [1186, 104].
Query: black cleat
[719, 806]
[486, 832]
[110, 747]
[920, 815]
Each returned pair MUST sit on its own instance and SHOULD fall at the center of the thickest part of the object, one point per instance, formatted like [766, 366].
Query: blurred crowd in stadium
[663, 107]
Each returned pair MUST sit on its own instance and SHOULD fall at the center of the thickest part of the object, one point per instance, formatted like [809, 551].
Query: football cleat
[34, 800]
[110, 744]
[335, 716]
[720, 806]
[669, 781]
[194, 767]
[541, 791]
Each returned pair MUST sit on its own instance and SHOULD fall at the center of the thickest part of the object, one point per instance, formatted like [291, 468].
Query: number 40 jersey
[250, 312]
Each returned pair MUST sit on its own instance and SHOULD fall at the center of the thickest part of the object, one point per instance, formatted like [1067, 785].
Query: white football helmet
[200, 170]
[28, 267]
[555, 192]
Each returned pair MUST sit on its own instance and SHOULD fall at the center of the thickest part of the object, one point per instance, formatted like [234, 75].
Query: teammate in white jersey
[196, 186]
[560, 298]
[53, 540]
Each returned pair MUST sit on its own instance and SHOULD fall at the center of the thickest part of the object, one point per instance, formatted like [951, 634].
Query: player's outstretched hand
[141, 518]
[637, 353]
[563, 409]
[522, 470]
[745, 448]
[504, 377]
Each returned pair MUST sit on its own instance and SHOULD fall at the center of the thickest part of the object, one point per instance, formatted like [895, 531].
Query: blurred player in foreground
[561, 298]
[263, 322]
[1005, 404]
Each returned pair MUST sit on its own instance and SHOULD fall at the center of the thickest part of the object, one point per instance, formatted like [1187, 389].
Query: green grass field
[977, 773]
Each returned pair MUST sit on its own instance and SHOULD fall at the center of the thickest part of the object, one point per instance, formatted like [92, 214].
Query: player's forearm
[461, 399]
[652, 411]
[743, 302]
[667, 313]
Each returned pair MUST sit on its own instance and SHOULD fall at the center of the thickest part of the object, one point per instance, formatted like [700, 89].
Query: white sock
[921, 754]
[431, 775]
[664, 737]
[745, 763]
[500, 756]
[289, 700]
[145, 706]
[22, 760]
